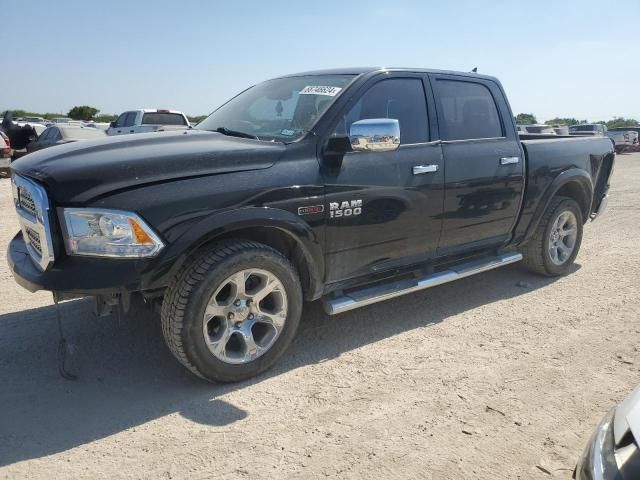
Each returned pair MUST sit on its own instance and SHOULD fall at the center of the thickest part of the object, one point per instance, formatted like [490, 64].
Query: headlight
[108, 233]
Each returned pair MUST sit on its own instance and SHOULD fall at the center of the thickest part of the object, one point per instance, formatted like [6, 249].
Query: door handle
[420, 169]
[509, 160]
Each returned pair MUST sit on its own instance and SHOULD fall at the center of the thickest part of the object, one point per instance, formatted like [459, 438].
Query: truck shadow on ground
[127, 376]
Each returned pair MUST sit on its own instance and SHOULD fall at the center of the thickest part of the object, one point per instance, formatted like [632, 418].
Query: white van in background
[148, 120]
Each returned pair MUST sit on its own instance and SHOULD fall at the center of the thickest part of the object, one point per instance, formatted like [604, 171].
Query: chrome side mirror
[375, 135]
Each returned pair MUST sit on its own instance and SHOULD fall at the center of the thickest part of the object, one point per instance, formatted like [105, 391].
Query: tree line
[86, 113]
[617, 122]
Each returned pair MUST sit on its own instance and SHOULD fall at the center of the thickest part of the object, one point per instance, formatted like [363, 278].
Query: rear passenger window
[398, 98]
[468, 111]
[55, 136]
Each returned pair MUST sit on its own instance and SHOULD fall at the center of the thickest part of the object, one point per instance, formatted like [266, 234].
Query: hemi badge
[310, 209]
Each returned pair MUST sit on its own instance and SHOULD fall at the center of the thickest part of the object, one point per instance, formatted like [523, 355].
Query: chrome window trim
[446, 142]
[40, 222]
[432, 143]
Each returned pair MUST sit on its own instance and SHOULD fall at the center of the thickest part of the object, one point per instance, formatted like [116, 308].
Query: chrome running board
[378, 293]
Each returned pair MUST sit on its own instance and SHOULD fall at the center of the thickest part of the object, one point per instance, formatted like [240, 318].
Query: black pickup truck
[351, 186]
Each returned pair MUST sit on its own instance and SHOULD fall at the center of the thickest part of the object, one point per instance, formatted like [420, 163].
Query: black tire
[187, 296]
[537, 257]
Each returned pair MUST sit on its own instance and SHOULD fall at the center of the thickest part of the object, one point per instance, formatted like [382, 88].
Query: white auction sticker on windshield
[320, 90]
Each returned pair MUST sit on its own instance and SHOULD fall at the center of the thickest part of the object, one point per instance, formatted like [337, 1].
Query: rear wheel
[557, 239]
[232, 311]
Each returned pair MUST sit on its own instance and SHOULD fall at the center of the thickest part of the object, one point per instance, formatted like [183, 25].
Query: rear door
[484, 168]
[381, 212]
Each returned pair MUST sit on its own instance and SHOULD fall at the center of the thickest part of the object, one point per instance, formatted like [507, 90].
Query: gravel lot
[502, 375]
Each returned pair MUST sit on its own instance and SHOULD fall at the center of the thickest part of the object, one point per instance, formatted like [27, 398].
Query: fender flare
[205, 229]
[575, 175]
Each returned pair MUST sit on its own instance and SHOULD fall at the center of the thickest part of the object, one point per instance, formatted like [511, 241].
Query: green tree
[526, 119]
[83, 112]
[49, 116]
[19, 113]
[105, 118]
[622, 122]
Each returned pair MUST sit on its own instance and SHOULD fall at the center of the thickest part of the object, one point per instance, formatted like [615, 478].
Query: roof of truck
[363, 70]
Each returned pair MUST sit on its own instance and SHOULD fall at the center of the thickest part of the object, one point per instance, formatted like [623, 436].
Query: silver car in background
[621, 139]
[612, 452]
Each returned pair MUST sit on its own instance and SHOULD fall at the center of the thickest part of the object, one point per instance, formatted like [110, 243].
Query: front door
[484, 168]
[118, 126]
[383, 208]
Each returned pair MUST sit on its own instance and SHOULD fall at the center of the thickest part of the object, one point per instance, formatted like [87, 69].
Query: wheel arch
[289, 245]
[279, 229]
[573, 183]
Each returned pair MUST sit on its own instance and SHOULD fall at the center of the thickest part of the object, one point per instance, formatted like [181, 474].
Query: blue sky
[555, 58]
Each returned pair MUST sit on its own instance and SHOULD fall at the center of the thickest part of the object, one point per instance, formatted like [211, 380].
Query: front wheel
[232, 311]
[557, 239]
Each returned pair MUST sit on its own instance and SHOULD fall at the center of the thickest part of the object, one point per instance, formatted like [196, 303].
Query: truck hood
[79, 172]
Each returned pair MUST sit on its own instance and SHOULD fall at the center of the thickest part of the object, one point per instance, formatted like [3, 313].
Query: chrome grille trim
[34, 239]
[26, 201]
[32, 206]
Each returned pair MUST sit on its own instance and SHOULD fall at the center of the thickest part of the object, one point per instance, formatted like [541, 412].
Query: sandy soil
[503, 375]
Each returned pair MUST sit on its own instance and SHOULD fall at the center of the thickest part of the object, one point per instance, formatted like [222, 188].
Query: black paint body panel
[192, 187]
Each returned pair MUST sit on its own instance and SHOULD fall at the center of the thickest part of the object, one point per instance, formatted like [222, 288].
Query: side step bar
[378, 293]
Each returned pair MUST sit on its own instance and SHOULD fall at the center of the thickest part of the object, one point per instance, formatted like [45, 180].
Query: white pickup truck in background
[621, 139]
[148, 120]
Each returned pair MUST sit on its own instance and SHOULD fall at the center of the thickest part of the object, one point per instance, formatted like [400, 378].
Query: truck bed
[548, 156]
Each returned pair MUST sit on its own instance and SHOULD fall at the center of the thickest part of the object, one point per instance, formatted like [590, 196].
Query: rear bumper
[74, 275]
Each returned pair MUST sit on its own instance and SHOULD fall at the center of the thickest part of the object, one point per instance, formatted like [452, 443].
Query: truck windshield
[283, 109]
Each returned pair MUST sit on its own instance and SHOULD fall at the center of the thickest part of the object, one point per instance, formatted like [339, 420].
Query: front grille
[33, 238]
[32, 206]
[26, 201]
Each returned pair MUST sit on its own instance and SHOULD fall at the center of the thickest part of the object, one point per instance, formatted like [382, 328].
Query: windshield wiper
[235, 133]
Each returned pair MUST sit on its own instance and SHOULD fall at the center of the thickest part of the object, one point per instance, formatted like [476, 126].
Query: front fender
[200, 230]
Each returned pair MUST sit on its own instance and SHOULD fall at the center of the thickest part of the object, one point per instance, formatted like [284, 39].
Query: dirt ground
[502, 375]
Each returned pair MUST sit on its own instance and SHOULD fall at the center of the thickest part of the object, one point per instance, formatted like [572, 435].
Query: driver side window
[45, 135]
[402, 99]
[120, 120]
